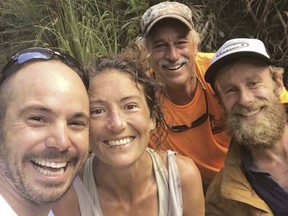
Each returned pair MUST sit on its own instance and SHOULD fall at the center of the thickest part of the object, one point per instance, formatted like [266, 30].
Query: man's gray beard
[262, 133]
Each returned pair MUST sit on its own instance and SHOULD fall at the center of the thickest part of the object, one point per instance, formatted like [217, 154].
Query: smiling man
[254, 178]
[194, 119]
[44, 116]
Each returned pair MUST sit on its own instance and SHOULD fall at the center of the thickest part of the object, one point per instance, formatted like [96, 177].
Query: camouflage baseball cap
[163, 10]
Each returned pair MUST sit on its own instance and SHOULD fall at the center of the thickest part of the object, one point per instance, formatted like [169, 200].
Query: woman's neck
[126, 182]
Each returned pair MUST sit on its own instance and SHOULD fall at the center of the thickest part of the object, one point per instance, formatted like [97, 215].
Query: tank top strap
[88, 181]
[175, 190]
[161, 175]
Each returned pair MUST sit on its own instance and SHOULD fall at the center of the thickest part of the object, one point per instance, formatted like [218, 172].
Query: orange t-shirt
[207, 143]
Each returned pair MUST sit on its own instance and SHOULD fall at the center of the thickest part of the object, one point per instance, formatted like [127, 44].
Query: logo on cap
[232, 47]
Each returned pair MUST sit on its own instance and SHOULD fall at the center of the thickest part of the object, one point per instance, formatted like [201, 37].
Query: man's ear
[279, 86]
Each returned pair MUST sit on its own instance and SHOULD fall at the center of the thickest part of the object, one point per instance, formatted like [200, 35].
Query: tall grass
[83, 28]
[17, 20]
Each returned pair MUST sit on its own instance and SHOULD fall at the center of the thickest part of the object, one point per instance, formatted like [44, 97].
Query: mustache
[262, 133]
[52, 154]
[243, 110]
[181, 60]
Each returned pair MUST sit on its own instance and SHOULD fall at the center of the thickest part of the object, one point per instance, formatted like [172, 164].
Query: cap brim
[177, 17]
[229, 59]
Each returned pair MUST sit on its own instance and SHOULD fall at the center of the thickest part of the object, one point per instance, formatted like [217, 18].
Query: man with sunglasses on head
[44, 116]
[254, 178]
[194, 119]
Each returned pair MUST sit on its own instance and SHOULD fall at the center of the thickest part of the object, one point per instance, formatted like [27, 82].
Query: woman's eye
[96, 111]
[131, 106]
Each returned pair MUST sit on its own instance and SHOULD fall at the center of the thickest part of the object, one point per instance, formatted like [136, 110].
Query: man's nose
[245, 97]
[59, 137]
[172, 54]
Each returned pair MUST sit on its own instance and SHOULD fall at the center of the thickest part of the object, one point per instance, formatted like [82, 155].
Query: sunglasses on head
[195, 123]
[40, 53]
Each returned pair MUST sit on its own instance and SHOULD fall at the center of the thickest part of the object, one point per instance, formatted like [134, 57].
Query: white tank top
[168, 185]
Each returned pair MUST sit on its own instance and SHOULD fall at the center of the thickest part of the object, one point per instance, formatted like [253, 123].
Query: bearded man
[254, 178]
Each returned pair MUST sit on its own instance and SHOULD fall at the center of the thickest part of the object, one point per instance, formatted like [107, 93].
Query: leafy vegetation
[85, 28]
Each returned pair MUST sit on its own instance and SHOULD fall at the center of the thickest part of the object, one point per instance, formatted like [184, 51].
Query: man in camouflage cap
[193, 117]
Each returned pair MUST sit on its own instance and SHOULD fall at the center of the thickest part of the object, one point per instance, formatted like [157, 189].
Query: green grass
[85, 28]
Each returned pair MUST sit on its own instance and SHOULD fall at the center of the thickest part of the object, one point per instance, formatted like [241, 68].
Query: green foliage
[85, 28]
[263, 19]
[17, 25]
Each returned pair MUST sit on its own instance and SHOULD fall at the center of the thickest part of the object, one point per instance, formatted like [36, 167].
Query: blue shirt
[264, 185]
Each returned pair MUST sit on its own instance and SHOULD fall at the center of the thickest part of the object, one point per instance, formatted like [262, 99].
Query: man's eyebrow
[253, 76]
[47, 110]
[81, 115]
[157, 41]
[40, 108]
